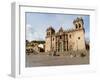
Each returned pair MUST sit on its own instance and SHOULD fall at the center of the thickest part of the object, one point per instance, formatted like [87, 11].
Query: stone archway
[61, 47]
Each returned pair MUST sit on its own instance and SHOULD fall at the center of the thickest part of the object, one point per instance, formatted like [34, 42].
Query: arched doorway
[61, 47]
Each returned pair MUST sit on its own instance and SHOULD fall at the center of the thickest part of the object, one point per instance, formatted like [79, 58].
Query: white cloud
[29, 32]
[32, 34]
[29, 28]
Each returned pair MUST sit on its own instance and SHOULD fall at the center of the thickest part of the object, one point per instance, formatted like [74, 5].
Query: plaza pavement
[47, 60]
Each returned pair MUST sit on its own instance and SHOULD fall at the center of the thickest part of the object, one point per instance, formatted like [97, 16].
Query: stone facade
[66, 40]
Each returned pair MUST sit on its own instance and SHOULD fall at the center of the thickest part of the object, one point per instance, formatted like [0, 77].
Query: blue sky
[37, 23]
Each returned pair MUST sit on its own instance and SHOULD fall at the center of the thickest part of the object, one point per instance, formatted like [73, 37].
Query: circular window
[78, 37]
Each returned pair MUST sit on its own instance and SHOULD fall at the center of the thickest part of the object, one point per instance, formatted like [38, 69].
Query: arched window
[60, 37]
[70, 35]
[53, 38]
[76, 26]
[79, 25]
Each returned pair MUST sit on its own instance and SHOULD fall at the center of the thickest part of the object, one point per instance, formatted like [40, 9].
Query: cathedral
[66, 40]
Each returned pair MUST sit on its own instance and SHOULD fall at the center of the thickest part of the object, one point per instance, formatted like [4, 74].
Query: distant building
[66, 40]
[41, 46]
[35, 46]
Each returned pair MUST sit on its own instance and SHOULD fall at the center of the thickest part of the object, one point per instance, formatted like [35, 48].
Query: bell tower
[78, 23]
[49, 33]
[79, 34]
